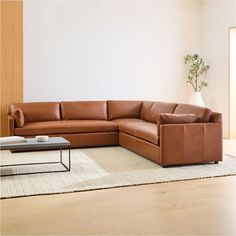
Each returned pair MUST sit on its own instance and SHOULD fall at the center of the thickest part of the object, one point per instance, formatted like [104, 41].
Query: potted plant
[196, 69]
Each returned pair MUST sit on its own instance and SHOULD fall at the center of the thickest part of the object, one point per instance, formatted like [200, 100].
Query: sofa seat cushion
[139, 128]
[66, 126]
[126, 120]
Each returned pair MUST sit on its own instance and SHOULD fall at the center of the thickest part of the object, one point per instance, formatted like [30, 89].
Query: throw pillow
[19, 118]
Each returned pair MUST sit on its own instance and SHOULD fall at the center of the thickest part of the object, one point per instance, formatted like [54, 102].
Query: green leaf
[196, 68]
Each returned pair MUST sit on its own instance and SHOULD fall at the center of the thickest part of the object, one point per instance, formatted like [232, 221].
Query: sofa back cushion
[150, 110]
[203, 114]
[38, 111]
[124, 109]
[84, 110]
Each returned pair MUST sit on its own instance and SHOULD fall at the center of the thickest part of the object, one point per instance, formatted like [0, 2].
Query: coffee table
[32, 145]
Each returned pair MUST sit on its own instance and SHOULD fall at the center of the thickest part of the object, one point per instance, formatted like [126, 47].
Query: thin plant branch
[197, 67]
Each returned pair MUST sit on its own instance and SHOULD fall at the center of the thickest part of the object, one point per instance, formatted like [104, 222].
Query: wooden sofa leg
[215, 162]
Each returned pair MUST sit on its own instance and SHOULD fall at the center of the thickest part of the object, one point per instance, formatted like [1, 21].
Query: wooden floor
[199, 207]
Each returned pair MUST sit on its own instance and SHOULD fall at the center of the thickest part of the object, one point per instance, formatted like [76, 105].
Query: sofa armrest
[11, 125]
[190, 143]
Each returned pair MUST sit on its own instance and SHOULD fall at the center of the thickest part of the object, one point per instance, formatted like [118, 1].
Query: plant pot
[196, 99]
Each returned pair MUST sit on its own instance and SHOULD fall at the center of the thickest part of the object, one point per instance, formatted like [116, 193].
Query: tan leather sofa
[166, 133]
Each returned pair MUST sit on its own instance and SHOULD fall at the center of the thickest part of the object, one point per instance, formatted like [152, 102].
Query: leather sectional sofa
[166, 133]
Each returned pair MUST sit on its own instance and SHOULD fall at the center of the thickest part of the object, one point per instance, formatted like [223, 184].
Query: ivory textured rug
[98, 168]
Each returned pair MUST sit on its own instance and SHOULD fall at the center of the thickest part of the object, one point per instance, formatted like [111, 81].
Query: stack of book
[12, 139]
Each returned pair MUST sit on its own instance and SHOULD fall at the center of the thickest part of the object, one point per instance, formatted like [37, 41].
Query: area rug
[98, 168]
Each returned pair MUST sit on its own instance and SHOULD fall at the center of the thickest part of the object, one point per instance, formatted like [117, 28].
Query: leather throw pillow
[19, 118]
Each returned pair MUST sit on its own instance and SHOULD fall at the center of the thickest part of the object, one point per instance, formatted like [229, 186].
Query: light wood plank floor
[198, 207]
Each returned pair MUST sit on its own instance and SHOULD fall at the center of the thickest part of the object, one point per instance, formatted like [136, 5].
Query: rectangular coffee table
[32, 145]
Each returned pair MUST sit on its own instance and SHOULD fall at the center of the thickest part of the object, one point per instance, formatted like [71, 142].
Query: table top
[31, 143]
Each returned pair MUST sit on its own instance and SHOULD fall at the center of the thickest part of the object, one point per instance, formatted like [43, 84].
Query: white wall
[217, 17]
[84, 50]
[232, 83]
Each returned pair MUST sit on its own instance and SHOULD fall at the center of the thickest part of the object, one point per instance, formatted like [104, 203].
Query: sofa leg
[164, 166]
[215, 162]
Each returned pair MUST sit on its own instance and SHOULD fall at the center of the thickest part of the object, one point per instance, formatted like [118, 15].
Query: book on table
[12, 139]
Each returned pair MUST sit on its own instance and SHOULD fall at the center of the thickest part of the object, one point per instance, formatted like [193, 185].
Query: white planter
[196, 99]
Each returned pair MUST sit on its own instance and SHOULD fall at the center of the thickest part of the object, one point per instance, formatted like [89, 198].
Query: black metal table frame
[67, 168]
